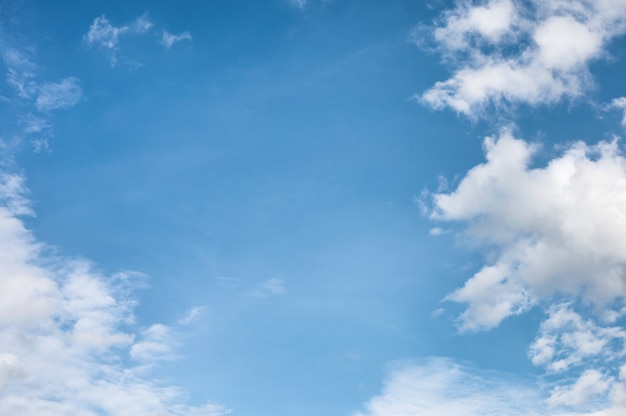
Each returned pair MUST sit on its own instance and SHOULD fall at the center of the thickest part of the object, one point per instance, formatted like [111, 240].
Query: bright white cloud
[168, 39]
[59, 95]
[556, 229]
[66, 330]
[507, 52]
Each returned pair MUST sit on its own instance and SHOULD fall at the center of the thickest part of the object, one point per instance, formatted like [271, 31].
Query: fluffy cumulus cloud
[553, 234]
[68, 342]
[554, 229]
[507, 52]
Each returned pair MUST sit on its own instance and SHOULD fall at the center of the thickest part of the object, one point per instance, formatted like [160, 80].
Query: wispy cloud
[64, 94]
[168, 39]
[67, 331]
[441, 387]
[36, 97]
[508, 52]
[620, 103]
[192, 315]
[106, 36]
[270, 287]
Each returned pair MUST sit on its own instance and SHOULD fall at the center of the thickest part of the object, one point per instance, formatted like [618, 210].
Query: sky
[313, 207]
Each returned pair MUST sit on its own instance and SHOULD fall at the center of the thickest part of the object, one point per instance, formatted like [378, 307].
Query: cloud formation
[556, 229]
[68, 342]
[37, 97]
[106, 36]
[63, 94]
[168, 39]
[442, 388]
[510, 52]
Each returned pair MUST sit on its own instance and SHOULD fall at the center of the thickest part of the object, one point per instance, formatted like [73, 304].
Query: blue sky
[311, 207]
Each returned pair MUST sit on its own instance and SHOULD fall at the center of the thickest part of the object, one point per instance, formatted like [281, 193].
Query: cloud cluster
[442, 388]
[554, 229]
[64, 94]
[585, 356]
[68, 341]
[553, 234]
[168, 39]
[508, 52]
[38, 97]
[103, 34]
[106, 36]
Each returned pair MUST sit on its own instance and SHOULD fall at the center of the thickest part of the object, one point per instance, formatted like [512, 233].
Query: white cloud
[442, 388]
[59, 95]
[591, 383]
[508, 52]
[20, 72]
[155, 344]
[436, 231]
[192, 315]
[37, 96]
[65, 332]
[566, 339]
[620, 103]
[34, 124]
[168, 39]
[557, 229]
[103, 34]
